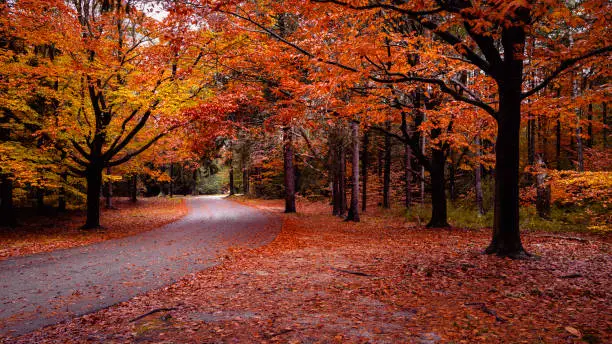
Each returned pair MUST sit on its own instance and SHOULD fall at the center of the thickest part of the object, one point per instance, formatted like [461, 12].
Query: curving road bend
[47, 288]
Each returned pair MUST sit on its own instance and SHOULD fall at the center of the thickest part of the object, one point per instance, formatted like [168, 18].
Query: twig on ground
[483, 307]
[152, 312]
[358, 273]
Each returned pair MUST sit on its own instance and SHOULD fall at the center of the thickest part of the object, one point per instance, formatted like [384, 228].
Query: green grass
[568, 219]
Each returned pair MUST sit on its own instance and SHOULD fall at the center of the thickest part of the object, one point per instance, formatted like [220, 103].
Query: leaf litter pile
[40, 234]
[379, 281]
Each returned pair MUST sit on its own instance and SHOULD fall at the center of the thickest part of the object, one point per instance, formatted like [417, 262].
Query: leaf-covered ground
[380, 281]
[43, 234]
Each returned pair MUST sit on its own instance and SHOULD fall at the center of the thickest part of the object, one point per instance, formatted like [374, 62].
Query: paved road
[47, 288]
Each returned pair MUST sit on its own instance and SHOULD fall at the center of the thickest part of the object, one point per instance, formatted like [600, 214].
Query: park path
[47, 288]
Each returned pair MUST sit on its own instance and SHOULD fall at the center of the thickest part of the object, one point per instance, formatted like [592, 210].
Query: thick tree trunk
[289, 170]
[387, 170]
[438, 194]
[364, 171]
[94, 182]
[353, 214]
[7, 213]
[109, 190]
[506, 239]
[478, 181]
[407, 175]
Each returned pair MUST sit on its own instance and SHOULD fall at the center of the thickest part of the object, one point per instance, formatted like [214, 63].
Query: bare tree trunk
[387, 169]
[364, 171]
[353, 214]
[171, 191]
[478, 180]
[558, 145]
[134, 188]
[7, 212]
[289, 170]
[407, 175]
[109, 190]
[604, 119]
[245, 180]
[342, 181]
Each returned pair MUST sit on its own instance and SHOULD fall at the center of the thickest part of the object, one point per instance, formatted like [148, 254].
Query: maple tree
[490, 37]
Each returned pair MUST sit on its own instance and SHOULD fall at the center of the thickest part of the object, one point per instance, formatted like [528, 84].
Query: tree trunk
[7, 213]
[245, 180]
[289, 171]
[364, 171]
[438, 194]
[171, 191]
[543, 190]
[452, 188]
[387, 169]
[590, 126]
[232, 189]
[407, 175]
[604, 120]
[342, 181]
[134, 188]
[558, 145]
[109, 190]
[478, 181]
[94, 182]
[506, 239]
[353, 214]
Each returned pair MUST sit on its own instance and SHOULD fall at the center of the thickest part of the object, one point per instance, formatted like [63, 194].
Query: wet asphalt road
[47, 288]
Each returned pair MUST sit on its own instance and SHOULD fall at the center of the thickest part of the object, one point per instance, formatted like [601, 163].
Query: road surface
[47, 288]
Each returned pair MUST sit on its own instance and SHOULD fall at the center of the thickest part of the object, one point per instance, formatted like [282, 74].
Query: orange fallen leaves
[380, 280]
[39, 234]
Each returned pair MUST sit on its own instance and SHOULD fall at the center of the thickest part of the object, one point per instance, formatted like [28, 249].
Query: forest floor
[381, 280]
[36, 234]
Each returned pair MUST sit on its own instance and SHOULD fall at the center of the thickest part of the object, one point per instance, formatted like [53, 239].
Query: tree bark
[245, 180]
[40, 200]
[478, 180]
[232, 188]
[506, 239]
[134, 188]
[407, 175]
[171, 191]
[109, 190]
[438, 194]
[7, 213]
[558, 145]
[387, 169]
[364, 171]
[452, 187]
[353, 213]
[94, 182]
[604, 119]
[289, 170]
